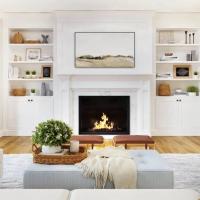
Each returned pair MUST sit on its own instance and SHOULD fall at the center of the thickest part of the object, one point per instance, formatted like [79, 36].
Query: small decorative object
[32, 41]
[45, 39]
[164, 90]
[51, 134]
[180, 92]
[188, 57]
[192, 90]
[43, 89]
[190, 41]
[186, 32]
[193, 55]
[15, 72]
[18, 92]
[17, 38]
[168, 56]
[193, 34]
[15, 58]
[28, 74]
[33, 54]
[196, 75]
[182, 71]
[166, 37]
[74, 146]
[33, 74]
[33, 92]
[46, 71]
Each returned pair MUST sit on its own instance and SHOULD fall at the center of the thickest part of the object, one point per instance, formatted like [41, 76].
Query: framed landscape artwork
[104, 49]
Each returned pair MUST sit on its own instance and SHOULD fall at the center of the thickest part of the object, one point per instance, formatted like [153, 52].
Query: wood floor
[12, 145]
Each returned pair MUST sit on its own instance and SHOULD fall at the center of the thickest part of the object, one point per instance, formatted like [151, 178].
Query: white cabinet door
[24, 113]
[190, 110]
[20, 115]
[167, 113]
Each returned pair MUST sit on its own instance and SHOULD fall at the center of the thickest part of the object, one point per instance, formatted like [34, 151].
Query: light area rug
[186, 170]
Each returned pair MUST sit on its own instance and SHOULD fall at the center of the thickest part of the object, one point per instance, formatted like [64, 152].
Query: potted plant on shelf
[51, 134]
[33, 74]
[28, 74]
[33, 92]
[192, 90]
[196, 75]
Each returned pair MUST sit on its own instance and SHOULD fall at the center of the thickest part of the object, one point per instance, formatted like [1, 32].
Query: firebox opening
[104, 115]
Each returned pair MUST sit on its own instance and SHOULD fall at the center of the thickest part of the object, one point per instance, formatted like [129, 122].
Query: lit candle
[74, 146]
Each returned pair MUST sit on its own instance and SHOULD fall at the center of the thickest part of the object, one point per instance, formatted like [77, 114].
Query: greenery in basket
[192, 89]
[33, 72]
[27, 72]
[52, 133]
[33, 90]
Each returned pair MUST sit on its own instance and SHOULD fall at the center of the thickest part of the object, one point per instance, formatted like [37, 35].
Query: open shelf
[31, 62]
[176, 79]
[31, 45]
[177, 45]
[177, 62]
[31, 79]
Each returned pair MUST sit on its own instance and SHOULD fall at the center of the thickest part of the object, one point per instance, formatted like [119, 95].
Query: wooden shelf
[30, 79]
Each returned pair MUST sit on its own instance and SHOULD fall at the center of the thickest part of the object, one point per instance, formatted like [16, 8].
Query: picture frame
[104, 49]
[46, 71]
[182, 71]
[33, 54]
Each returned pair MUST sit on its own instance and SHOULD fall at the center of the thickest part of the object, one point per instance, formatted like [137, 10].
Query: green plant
[52, 133]
[27, 72]
[196, 73]
[192, 89]
[33, 90]
[33, 72]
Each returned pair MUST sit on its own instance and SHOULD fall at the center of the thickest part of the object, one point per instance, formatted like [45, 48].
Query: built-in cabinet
[24, 113]
[177, 115]
[29, 66]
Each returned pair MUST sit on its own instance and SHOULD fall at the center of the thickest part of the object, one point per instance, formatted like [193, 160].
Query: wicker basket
[18, 92]
[17, 38]
[164, 90]
[70, 158]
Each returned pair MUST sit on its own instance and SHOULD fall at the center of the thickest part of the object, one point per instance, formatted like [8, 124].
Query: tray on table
[60, 158]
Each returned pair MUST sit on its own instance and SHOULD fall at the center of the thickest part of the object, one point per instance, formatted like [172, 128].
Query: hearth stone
[153, 173]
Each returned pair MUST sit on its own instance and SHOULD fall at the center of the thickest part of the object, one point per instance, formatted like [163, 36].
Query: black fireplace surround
[104, 115]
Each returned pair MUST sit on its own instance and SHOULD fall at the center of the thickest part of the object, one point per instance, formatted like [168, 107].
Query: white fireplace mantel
[71, 87]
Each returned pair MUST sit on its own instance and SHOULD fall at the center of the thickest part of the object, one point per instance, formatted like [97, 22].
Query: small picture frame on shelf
[182, 71]
[33, 54]
[46, 71]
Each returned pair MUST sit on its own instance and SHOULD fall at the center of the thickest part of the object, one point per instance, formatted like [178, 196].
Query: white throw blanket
[112, 163]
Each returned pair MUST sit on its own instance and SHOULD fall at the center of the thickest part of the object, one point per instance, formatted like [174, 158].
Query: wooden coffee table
[145, 140]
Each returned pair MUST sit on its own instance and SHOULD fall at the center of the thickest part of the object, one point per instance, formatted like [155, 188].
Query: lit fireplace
[104, 123]
[104, 115]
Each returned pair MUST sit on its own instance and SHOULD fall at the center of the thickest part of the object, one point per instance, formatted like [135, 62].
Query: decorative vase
[192, 93]
[43, 89]
[33, 94]
[51, 149]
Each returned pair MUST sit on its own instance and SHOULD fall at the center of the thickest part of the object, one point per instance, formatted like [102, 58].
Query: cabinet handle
[29, 100]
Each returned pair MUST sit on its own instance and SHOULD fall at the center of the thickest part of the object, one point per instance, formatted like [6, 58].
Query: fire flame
[103, 123]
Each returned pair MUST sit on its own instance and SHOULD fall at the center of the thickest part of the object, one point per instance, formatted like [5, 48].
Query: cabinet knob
[29, 100]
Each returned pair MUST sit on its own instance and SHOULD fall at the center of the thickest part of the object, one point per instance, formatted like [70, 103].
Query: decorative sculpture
[45, 39]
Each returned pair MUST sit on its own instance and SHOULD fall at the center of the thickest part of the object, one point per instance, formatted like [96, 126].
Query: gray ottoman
[153, 173]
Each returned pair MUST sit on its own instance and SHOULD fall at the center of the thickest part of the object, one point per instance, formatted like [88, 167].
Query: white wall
[1, 78]
[105, 21]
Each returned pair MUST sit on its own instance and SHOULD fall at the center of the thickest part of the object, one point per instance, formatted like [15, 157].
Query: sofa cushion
[20, 194]
[134, 194]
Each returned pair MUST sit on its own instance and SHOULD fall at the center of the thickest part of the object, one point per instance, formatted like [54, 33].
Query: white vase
[192, 93]
[74, 146]
[196, 76]
[51, 149]
[32, 94]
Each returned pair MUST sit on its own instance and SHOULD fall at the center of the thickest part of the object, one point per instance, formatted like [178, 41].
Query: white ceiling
[52, 5]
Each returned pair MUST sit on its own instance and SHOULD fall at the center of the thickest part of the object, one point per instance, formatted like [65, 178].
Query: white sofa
[1, 163]
[91, 194]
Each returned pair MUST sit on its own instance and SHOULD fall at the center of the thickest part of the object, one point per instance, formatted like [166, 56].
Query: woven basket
[68, 159]
[164, 90]
[18, 92]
